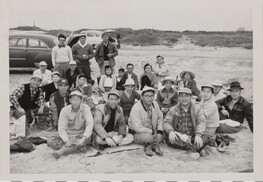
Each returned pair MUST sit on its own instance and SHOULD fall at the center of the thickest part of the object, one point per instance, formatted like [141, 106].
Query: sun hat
[72, 63]
[39, 76]
[146, 89]
[208, 86]
[77, 93]
[129, 81]
[42, 63]
[55, 73]
[185, 90]
[235, 85]
[168, 78]
[114, 92]
[191, 73]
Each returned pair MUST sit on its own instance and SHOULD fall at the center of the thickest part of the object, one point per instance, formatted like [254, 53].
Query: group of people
[133, 109]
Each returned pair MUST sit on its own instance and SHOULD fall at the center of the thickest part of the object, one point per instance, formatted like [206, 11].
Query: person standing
[160, 69]
[105, 53]
[61, 56]
[82, 54]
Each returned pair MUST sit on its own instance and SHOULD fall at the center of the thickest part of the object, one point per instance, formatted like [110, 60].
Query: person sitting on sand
[167, 97]
[130, 74]
[128, 97]
[236, 108]
[50, 88]
[121, 79]
[146, 122]
[160, 69]
[148, 78]
[108, 81]
[219, 92]
[109, 123]
[189, 82]
[75, 127]
[46, 74]
[210, 110]
[28, 99]
[58, 100]
[185, 124]
[82, 85]
[71, 74]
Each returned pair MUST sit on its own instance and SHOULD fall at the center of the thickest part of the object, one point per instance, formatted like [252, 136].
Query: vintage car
[26, 50]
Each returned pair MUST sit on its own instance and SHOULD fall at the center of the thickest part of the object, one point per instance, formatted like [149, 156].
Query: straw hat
[129, 81]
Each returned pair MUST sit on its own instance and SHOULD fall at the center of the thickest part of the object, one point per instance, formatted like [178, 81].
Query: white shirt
[61, 55]
[108, 82]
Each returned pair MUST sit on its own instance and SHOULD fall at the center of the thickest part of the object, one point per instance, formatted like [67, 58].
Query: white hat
[76, 92]
[217, 83]
[208, 86]
[168, 78]
[42, 63]
[72, 62]
[39, 76]
[146, 88]
[185, 90]
[129, 81]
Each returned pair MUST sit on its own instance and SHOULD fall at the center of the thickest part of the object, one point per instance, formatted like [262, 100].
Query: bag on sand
[224, 128]
[22, 145]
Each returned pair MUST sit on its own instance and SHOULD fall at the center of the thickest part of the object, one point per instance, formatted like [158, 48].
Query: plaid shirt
[185, 124]
[20, 91]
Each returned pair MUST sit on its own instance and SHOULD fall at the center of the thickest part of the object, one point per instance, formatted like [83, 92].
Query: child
[108, 81]
[121, 79]
[189, 82]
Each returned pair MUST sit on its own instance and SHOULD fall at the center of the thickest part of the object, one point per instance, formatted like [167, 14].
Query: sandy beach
[208, 63]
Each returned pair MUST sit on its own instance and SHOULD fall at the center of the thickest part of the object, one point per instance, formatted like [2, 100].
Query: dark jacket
[119, 85]
[79, 51]
[191, 84]
[49, 89]
[167, 99]
[99, 54]
[25, 100]
[241, 110]
[72, 78]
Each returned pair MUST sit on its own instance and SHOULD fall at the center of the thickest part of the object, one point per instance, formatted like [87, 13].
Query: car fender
[45, 56]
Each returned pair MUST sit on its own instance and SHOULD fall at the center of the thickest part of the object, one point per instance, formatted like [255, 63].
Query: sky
[177, 15]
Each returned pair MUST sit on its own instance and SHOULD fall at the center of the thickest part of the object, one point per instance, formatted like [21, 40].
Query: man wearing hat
[185, 124]
[58, 100]
[105, 53]
[167, 97]
[82, 53]
[219, 92]
[109, 123]
[51, 87]
[72, 73]
[189, 82]
[235, 107]
[128, 97]
[75, 127]
[28, 99]
[146, 122]
[46, 74]
[210, 110]
[61, 56]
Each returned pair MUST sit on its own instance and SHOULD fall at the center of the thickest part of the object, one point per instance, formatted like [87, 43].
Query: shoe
[102, 147]
[148, 150]
[157, 150]
[230, 138]
[56, 155]
[222, 147]
[202, 153]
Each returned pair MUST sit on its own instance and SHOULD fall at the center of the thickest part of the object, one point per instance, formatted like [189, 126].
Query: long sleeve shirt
[71, 122]
[61, 55]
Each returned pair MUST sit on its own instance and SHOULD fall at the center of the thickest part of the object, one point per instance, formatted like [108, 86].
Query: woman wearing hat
[148, 78]
[167, 97]
[160, 69]
[128, 97]
[189, 82]
[236, 108]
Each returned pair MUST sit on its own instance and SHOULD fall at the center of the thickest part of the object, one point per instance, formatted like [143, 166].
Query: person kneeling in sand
[185, 124]
[146, 122]
[109, 123]
[75, 127]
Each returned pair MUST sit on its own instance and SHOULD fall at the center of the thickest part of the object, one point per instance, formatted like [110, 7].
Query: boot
[157, 150]
[148, 150]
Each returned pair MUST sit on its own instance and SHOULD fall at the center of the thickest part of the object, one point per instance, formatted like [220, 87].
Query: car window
[43, 45]
[12, 42]
[21, 43]
[33, 43]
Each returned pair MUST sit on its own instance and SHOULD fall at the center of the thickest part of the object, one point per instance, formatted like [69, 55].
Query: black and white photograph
[131, 87]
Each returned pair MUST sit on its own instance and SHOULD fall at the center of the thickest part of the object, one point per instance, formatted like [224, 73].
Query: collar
[32, 88]
[108, 76]
[59, 46]
[107, 109]
[82, 45]
[144, 105]
[189, 107]
[105, 44]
